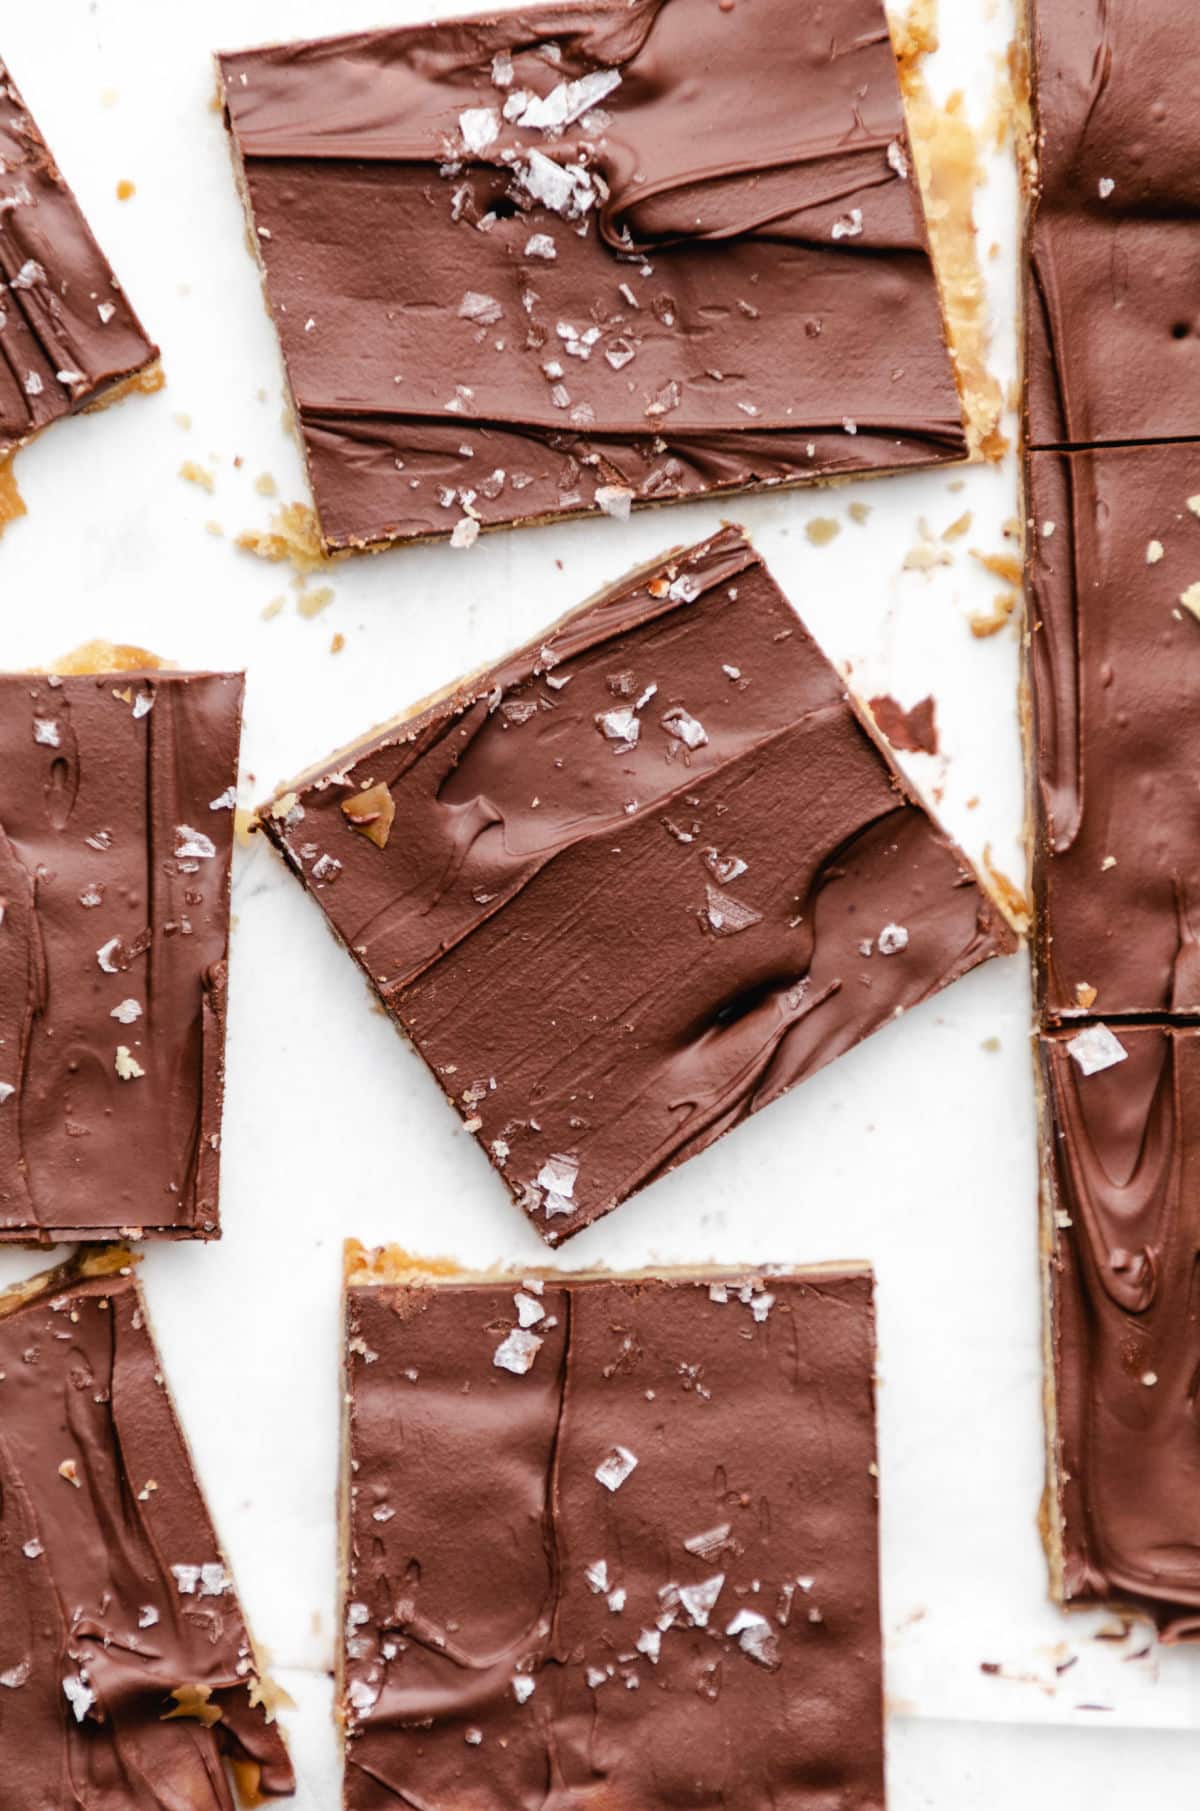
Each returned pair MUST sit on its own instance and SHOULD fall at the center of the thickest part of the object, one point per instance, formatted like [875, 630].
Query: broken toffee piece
[1114, 592]
[126, 1668]
[635, 882]
[1123, 1244]
[636, 1563]
[117, 795]
[68, 337]
[571, 259]
[1112, 332]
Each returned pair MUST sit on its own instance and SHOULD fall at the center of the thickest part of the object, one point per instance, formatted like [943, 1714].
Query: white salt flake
[615, 1467]
[685, 589]
[147, 1616]
[46, 732]
[1096, 1049]
[699, 1600]
[615, 500]
[616, 1600]
[892, 939]
[529, 1309]
[897, 158]
[466, 532]
[33, 1549]
[225, 801]
[685, 728]
[710, 1543]
[621, 728]
[125, 1012]
[105, 956]
[649, 1642]
[79, 1695]
[7, 1090]
[1106, 186]
[761, 1305]
[126, 1064]
[362, 1696]
[755, 1637]
[540, 245]
[17, 1676]
[475, 306]
[517, 1351]
[850, 225]
[597, 1676]
[106, 311]
[523, 1687]
[568, 101]
[726, 915]
[193, 845]
[597, 1576]
[502, 70]
[480, 127]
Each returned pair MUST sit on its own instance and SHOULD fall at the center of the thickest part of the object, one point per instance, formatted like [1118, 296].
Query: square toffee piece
[126, 1668]
[610, 1542]
[1122, 1244]
[580, 258]
[1112, 329]
[117, 794]
[637, 881]
[68, 337]
[1113, 569]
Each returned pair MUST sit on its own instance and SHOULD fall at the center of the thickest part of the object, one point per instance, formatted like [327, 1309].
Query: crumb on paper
[990, 622]
[928, 553]
[126, 190]
[194, 473]
[291, 537]
[822, 529]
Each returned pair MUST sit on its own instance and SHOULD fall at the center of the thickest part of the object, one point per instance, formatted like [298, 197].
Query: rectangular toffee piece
[1113, 568]
[68, 337]
[127, 1669]
[635, 882]
[1112, 329]
[1122, 1130]
[117, 793]
[610, 1541]
[584, 257]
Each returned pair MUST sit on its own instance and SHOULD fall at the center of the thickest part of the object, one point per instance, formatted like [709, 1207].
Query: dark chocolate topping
[523, 265]
[125, 1666]
[1112, 321]
[613, 1544]
[1123, 1161]
[1115, 668]
[637, 882]
[116, 837]
[67, 333]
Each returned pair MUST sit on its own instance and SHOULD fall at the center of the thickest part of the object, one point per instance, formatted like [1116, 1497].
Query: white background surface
[916, 1151]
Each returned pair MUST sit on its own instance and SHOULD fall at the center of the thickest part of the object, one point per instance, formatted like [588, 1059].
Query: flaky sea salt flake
[615, 1467]
[1096, 1049]
[517, 1351]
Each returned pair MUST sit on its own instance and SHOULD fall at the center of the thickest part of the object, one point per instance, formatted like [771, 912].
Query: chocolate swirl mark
[1127, 1361]
[22, 998]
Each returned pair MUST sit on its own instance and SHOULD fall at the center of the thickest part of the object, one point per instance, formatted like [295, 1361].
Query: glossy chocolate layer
[711, 272]
[612, 1543]
[1112, 318]
[116, 836]
[126, 1670]
[635, 883]
[67, 333]
[1115, 669]
[1124, 1166]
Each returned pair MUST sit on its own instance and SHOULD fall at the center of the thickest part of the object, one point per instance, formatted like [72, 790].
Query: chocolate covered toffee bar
[1113, 270]
[1123, 1228]
[117, 793]
[610, 1541]
[578, 258]
[68, 336]
[126, 1669]
[635, 882]
[1114, 598]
